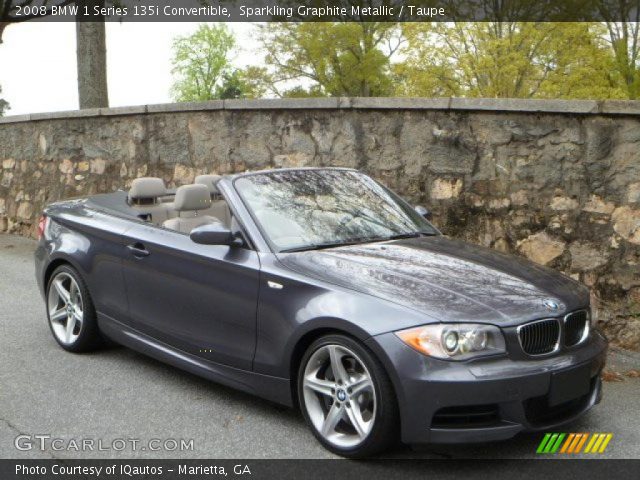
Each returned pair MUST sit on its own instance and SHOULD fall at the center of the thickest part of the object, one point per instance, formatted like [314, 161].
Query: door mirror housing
[423, 212]
[213, 234]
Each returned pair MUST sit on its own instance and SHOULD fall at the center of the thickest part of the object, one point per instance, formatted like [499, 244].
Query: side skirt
[274, 389]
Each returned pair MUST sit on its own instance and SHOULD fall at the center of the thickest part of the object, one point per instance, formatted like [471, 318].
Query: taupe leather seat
[210, 181]
[188, 202]
[144, 198]
[219, 207]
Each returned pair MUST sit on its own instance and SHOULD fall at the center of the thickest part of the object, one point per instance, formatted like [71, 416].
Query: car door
[201, 299]
[94, 240]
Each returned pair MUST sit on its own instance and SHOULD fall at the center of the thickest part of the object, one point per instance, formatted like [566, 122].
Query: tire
[324, 397]
[68, 300]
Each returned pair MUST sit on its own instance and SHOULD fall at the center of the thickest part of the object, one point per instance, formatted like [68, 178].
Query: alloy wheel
[339, 396]
[64, 304]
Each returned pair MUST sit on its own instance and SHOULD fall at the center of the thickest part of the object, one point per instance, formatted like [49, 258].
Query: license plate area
[569, 385]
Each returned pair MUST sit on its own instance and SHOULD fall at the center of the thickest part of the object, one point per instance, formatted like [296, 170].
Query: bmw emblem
[342, 396]
[550, 304]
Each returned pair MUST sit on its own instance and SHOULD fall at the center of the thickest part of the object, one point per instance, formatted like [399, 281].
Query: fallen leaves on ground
[611, 376]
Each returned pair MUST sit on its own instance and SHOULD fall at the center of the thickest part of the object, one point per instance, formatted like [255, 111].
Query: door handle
[137, 250]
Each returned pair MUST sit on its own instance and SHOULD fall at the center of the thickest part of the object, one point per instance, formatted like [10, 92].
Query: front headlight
[454, 341]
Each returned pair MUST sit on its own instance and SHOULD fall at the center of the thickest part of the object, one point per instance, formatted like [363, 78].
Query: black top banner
[321, 10]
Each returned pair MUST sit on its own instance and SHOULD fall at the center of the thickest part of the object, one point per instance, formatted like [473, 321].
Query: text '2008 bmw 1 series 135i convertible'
[320, 288]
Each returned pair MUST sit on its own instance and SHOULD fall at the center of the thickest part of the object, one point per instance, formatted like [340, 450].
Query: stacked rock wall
[555, 181]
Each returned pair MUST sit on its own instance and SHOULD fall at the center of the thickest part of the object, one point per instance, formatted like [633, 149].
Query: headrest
[147, 187]
[210, 181]
[192, 197]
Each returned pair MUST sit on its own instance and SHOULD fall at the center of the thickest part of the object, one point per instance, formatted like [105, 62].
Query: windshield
[305, 209]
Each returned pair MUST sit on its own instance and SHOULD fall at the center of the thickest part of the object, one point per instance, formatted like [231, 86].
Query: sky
[38, 63]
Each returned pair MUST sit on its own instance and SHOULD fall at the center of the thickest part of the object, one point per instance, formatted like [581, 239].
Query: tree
[9, 11]
[231, 85]
[624, 39]
[200, 63]
[91, 54]
[582, 65]
[253, 81]
[90, 41]
[507, 59]
[240, 83]
[4, 105]
[330, 58]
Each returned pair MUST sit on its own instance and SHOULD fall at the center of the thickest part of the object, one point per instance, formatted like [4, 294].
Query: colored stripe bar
[606, 441]
[582, 440]
[596, 446]
[555, 448]
[550, 443]
[575, 443]
[592, 441]
[543, 443]
[567, 442]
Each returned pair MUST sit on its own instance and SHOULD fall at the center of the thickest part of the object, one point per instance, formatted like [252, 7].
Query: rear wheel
[347, 398]
[70, 311]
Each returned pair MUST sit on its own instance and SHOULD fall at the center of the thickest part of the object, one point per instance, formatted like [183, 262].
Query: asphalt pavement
[121, 398]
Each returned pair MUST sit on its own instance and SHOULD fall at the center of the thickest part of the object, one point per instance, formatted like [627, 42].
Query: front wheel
[70, 311]
[347, 398]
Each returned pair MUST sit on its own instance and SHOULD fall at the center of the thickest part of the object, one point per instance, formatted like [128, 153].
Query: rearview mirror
[423, 212]
[212, 234]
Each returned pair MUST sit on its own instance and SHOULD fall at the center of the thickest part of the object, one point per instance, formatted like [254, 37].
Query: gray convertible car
[322, 289]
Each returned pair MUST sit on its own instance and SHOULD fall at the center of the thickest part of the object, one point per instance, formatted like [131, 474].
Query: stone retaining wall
[556, 181]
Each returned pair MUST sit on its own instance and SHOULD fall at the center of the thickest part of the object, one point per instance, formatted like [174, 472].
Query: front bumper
[488, 399]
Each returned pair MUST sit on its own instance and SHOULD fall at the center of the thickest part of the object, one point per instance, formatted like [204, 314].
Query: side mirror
[212, 234]
[423, 212]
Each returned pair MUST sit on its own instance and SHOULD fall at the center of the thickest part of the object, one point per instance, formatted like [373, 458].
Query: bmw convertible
[323, 290]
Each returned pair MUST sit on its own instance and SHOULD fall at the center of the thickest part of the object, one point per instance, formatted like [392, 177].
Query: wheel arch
[305, 341]
[53, 265]
[57, 262]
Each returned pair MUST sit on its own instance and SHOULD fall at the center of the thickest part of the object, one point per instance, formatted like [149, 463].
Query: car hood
[448, 280]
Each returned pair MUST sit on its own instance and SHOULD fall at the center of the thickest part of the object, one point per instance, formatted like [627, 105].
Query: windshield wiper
[320, 246]
[399, 236]
[356, 241]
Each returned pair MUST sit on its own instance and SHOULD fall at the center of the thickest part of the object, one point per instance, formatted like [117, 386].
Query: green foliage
[231, 85]
[503, 59]
[240, 84]
[625, 45]
[299, 91]
[4, 105]
[201, 62]
[508, 59]
[253, 82]
[581, 65]
[329, 58]
[474, 59]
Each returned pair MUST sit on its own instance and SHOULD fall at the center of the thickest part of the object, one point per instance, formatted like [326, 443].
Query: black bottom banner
[65, 469]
